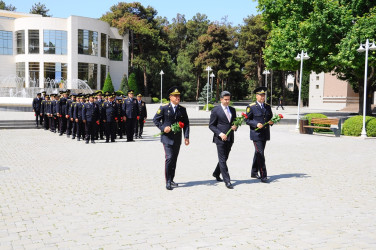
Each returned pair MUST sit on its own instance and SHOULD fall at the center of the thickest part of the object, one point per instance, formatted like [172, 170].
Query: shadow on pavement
[198, 183]
[284, 176]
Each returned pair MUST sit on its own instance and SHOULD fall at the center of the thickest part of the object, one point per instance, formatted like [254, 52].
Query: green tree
[108, 87]
[124, 84]
[39, 8]
[4, 6]
[132, 83]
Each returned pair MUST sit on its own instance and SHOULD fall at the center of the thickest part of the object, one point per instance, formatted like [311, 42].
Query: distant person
[37, 105]
[142, 112]
[280, 103]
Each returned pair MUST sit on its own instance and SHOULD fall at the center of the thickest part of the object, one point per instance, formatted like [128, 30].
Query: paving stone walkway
[62, 194]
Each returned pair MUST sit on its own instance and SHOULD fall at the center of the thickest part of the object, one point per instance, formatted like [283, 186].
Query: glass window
[34, 74]
[33, 41]
[115, 50]
[103, 45]
[103, 75]
[88, 72]
[6, 43]
[88, 42]
[55, 73]
[317, 78]
[20, 37]
[20, 71]
[55, 42]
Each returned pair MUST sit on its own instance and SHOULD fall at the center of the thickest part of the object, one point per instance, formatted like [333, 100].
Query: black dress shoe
[93, 142]
[73, 137]
[107, 141]
[112, 140]
[217, 177]
[140, 137]
[168, 186]
[255, 176]
[87, 142]
[78, 139]
[229, 185]
[174, 184]
[265, 180]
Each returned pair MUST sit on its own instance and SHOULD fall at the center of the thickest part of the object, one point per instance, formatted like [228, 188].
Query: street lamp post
[360, 50]
[207, 88]
[161, 73]
[300, 57]
[212, 82]
[266, 73]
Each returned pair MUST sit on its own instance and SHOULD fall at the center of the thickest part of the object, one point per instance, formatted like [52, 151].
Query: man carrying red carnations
[170, 118]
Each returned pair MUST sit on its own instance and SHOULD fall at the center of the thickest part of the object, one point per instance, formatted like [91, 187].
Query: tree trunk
[132, 49]
[145, 80]
[222, 85]
[197, 86]
[368, 98]
[217, 89]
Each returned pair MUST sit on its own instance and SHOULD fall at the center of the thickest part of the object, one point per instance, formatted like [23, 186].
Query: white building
[40, 49]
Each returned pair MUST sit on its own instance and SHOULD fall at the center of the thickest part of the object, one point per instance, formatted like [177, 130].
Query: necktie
[262, 106]
[174, 109]
[227, 114]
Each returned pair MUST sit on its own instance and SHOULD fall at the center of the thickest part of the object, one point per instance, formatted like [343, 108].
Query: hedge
[316, 115]
[354, 125]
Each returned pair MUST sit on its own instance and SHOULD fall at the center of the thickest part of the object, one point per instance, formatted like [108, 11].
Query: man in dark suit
[90, 116]
[221, 120]
[142, 115]
[166, 116]
[99, 128]
[37, 106]
[130, 109]
[258, 114]
[77, 116]
[110, 118]
[61, 113]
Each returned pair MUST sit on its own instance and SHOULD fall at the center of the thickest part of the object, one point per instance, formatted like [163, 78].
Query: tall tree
[40, 8]
[4, 6]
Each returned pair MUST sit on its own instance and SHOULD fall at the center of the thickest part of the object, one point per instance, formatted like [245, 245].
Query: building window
[20, 37]
[290, 85]
[55, 42]
[88, 42]
[33, 41]
[55, 74]
[317, 86]
[115, 50]
[88, 72]
[103, 45]
[6, 43]
[34, 74]
[20, 71]
[103, 75]
[317, 78]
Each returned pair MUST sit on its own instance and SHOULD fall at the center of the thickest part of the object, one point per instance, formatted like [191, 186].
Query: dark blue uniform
[109, 117]
[142, 113]
[37, 106]
[256, 114]
[62, 109]
[77, 116]
[90, 115]
[99, 128]
[44, 114]
[68, 113]
[218, 124]
[54, 116]
[164, 117]
[130, 109]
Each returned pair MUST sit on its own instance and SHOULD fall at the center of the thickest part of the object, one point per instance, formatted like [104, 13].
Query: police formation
[91, 117]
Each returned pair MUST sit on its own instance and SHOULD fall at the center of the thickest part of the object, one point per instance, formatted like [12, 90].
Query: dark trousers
[80, 129]
[38, 117]
[69, 126]
[171, 156]
[223, 151]
[89, 130]
[74, 129]
[46, 122]
[129, 127]
[120, 131]
[259, 159]
[110, 130]
[139, 128]
[63, 124]
[41, 120]
[280, 105]
[53, 123]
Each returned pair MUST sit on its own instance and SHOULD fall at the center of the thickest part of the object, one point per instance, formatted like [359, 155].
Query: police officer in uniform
[44, 112]
[142, 115]
[54, 123]
[37, 106]
[130, 109]
[109, 116]
[119, 102]
[166, 116]
[99, 127]
[258, 114]
[68, 114]
[77, 116]
[61, 113]
[90, 115]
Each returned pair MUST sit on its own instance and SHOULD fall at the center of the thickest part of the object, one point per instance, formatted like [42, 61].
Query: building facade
[56, 52]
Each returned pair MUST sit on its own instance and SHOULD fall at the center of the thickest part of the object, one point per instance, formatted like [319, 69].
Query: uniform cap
[174, 90]
[139, 95]
[130, 91]
[260, 90]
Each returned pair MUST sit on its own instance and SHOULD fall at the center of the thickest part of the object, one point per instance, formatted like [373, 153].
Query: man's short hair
[225, 93]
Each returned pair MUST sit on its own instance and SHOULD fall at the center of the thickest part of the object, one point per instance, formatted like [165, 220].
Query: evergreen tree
[108, 87]
[203, 95]
[124, 84]
[40, 8]
[132, 83]
[9, 7]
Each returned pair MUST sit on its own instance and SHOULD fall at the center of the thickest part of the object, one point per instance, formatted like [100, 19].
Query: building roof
[13, 14]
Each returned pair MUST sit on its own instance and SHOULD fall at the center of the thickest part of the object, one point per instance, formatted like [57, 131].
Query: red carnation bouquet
[238, 122]
[276, 118]
[176, 128]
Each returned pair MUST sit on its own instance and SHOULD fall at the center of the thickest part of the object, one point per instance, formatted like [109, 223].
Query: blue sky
[235, 10]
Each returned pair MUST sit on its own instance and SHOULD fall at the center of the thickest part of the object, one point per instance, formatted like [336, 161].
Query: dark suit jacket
[258, 115]
[90, 112]
[37, 104]
[142, 112]
[219, 123]
[165, 116]
[130, 108]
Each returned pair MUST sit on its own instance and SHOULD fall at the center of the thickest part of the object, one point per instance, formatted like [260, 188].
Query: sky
[235, 10]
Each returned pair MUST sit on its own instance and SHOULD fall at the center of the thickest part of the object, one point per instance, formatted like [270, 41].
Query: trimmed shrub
[353, 126]
[108, 87]
[132, 83]
[155, 99]
[211, 106]
[164, 100]
[124, 84]
[316, 115]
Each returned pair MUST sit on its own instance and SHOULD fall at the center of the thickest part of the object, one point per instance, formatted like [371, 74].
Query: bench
[325, 121]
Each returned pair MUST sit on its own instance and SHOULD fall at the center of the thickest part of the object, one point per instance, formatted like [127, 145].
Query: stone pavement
[62, 194]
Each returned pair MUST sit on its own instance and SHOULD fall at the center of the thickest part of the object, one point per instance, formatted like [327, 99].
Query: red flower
[138, 118]
[68, 116]
[280, 116]
[97, 122]
[181, 125]
[245, 115]
[121, 118]
[61, 115]
[144, 121]
[35, 114]
[116, 119]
